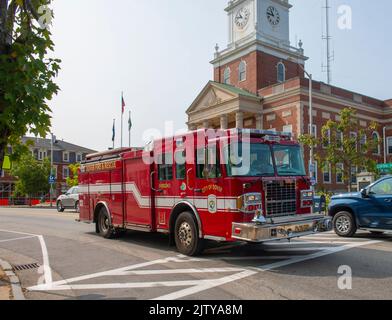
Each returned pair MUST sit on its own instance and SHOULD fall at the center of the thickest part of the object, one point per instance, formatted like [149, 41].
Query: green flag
[129, 122]
[6, 163]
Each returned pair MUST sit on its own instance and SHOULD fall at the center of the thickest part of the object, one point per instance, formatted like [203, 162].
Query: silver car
[70, 200]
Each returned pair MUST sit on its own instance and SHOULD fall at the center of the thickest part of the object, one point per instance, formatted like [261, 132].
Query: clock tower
[259, 52]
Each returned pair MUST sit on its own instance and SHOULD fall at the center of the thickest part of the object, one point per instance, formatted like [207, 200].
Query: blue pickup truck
[370, 209]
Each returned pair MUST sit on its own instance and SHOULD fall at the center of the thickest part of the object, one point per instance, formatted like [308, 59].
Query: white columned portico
[259, 122]
[224, 122]
[205, 124]
[239, 120]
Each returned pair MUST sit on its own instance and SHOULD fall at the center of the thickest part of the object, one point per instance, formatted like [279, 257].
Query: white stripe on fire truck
[200, 202]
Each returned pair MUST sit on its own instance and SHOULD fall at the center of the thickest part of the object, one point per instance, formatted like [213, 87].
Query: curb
[16, 287]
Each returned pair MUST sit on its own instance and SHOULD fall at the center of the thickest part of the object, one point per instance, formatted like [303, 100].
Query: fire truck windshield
[289, 160]
[256, 160]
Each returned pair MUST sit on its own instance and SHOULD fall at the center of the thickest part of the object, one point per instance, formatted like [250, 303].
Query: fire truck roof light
[261, 132]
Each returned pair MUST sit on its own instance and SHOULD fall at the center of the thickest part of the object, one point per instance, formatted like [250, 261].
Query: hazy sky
[158, 53]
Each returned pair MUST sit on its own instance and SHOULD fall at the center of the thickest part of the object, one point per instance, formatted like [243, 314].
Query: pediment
[211, 96]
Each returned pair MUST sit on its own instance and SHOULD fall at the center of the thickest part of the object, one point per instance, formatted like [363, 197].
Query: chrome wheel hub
[185, 234]
[104, 223]
[343, 224]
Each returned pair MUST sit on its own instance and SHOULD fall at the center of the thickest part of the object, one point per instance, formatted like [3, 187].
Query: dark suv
[370, 209]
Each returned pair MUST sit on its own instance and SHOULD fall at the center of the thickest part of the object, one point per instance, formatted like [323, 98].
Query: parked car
[69, 200]
[370, 209]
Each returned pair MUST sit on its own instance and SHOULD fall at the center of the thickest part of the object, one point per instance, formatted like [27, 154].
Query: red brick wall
[261, 71]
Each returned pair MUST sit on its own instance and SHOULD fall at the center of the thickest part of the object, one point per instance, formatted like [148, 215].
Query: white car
[70, 200]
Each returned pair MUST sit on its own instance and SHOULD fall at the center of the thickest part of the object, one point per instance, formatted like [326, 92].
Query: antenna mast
[327, 38]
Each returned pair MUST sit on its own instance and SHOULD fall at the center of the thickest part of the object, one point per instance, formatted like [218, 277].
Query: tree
[32, 175]
[345, 143]
[74, 181]
[26, 72]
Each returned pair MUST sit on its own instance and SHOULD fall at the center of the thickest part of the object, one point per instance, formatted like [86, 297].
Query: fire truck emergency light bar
[268, 134]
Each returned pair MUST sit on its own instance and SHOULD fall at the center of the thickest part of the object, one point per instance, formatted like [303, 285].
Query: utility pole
[51, 168]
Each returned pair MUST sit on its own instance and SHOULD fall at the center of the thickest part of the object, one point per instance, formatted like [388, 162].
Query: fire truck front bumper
[282, 228]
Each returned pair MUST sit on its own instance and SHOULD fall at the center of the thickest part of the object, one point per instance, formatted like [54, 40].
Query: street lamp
[311, 155]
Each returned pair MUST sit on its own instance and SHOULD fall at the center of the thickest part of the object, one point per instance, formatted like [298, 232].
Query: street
[56, 257]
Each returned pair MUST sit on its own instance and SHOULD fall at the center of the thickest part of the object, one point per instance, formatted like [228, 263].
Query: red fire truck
[231, 185]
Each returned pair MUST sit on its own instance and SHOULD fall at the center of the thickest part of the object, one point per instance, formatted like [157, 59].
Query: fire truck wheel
[59, 206]
[344, 224]
[187, 235]
[104, 227]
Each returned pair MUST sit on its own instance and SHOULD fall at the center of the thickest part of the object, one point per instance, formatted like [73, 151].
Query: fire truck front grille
[280, 198]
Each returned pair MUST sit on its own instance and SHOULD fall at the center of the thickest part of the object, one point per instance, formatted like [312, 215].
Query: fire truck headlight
[249, 202]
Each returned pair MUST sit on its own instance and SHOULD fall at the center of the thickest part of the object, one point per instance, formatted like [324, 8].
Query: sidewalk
[5, 286]
[10, 288]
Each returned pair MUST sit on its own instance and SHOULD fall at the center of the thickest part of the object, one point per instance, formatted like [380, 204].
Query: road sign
[384, 166]
[52, 179]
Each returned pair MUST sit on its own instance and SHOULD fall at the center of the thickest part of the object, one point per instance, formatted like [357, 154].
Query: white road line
[44, 250]
[206, 285]
[325, 252]
[180, 271]
[298, 249]
[309, 242]
[14, 239]
[336, 239]
[106, 273]
[251, 258]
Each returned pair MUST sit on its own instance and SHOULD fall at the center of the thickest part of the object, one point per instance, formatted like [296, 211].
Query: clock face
[273, 15]
[242, 17]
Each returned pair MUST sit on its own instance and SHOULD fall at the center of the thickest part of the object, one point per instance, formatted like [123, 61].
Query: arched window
[376, 142]
[242, 71]
[226, 76]
[281, 72]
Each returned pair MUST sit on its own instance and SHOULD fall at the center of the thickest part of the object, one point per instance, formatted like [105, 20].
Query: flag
[114, 130]
[129, 122]
[122, 103]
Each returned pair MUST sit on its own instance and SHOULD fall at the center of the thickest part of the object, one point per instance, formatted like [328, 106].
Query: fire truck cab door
[164, 183]
[209, 192]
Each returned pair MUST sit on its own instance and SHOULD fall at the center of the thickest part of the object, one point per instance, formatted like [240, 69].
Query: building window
[376, 142]
[339, 173]
[362, 143]
[79, 157]
[66, 156]
[42, 154]
[226, 76]
[314, 131]
[327, 173]
[54, 171]
[281, 72]
[242, 71]
[354, 171]
[327, 139]
[339, 140]
[65, 172]
[288, 128]
[2, 174]
[315, 173]
[354, 139]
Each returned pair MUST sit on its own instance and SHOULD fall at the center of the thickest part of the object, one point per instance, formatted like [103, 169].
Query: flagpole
[129, 129]
[122, 115]
[114, 132]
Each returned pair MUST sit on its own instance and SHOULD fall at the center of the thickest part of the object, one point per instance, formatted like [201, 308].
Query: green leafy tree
[32, 176]
[73, 180]
[344, 142]
[26, 71]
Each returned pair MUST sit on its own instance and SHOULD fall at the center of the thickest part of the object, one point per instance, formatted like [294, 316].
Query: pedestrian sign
[52, 179]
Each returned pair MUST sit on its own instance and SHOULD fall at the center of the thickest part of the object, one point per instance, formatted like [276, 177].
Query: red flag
[122, 103]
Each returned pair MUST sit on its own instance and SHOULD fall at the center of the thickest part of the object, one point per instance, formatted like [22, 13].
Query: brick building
[64, 154]
[259, 82]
